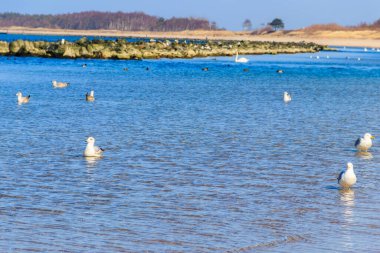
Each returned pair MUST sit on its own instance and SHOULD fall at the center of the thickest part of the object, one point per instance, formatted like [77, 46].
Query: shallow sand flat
[333, 38]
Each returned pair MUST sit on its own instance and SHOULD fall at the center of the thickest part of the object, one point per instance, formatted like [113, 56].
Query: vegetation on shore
[95, 20]
[122, 49]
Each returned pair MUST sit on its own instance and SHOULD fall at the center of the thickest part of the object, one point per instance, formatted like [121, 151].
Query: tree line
[94, 20]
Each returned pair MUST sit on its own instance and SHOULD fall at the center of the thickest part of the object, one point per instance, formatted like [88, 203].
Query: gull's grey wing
[97, 149]
[357, 142]
[340, 176]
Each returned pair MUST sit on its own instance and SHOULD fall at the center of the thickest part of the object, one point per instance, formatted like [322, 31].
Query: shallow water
[195, 161]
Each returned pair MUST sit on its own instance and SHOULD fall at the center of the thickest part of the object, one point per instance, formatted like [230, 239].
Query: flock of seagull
[91, 150]
[346, 178]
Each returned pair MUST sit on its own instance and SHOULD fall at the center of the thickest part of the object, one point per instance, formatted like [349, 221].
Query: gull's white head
[350, 166]
[19, 94]
[92, 93]
[90, 140]
[368, 136]
[54, 82]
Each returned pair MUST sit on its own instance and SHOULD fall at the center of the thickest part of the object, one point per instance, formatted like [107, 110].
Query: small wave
[275, 243]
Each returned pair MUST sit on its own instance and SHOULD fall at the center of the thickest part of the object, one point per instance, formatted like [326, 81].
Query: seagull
[91, 150]
[21, 99]
[280, 71]
[59, 84]
[347, 178]
[240, 60]
[287, 97]
[90, 96]
[365, 143]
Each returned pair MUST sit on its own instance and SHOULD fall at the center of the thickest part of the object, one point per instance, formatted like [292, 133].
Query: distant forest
[93, 20]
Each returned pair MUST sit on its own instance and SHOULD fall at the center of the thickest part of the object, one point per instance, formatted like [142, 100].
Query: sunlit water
[195, 161]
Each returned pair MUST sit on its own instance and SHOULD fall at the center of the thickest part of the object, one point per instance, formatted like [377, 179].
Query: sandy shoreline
[346, 38]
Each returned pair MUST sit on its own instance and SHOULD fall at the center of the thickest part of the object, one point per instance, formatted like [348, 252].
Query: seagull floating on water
[365, 143]
[287, 97]
[59, 84]
[21, 99]
[90, 96]
[347, 178]
[92, 150]
[280, 71]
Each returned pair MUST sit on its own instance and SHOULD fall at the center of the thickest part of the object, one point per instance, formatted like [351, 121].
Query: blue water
[195, 161]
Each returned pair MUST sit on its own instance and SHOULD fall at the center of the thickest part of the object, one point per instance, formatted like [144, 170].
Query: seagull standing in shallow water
[365, 143]
[347, 178]
[92, 150]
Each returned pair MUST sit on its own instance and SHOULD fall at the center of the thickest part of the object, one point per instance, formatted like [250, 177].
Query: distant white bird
[365, 143]
[59, 84]
[21, 99]
[90, 96]
[317, 57]
[311, 57]
[92, 150]
[347, 178]
[287, 97]
[365, 49]
[327, 57]
[241, 60]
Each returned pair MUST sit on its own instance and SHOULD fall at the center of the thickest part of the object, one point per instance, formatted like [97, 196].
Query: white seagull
[90, 96]
[241, 60]
[21, 99]
[287, 97]
[365, 143]
[347, 178]
[92, 150]
[59, 84]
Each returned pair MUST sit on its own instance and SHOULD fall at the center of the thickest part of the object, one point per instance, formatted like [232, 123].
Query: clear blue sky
[227, 13]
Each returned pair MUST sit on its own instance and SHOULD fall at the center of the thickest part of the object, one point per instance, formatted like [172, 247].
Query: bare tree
[247, 25]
